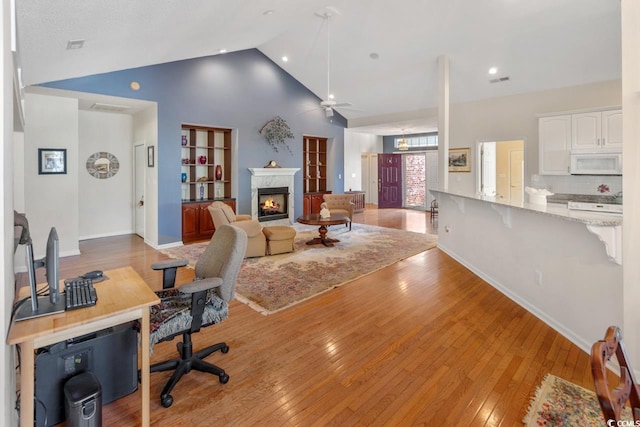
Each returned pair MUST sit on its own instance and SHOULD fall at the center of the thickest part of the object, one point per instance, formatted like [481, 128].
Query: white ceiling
[538, 44]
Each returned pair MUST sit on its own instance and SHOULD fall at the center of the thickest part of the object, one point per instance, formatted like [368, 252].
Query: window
[418, 141]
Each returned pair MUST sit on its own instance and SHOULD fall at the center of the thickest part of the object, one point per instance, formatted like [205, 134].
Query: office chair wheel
[225, 349]
[224, 378]
[166, 400]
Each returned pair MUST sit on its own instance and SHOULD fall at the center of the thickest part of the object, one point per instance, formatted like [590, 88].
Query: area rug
[272, 283]
[558, 402]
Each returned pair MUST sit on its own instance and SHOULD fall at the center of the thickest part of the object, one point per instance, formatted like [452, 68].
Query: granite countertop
[586, 198]
[556, 209]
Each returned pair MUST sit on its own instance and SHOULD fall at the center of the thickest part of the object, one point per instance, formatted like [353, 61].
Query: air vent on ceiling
[499, 80]
[109, 107]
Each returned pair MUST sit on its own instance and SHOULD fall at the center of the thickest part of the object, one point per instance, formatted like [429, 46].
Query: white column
[630, 10]
[443, 122]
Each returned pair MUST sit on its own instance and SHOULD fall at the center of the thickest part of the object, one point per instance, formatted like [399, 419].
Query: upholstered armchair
[185, 309]
[222, 214]
[339, 203]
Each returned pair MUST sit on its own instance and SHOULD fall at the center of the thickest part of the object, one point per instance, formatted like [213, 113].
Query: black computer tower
[111, 355]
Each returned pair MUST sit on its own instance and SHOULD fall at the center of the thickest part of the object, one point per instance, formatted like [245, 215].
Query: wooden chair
[612, 401]
[434, 209]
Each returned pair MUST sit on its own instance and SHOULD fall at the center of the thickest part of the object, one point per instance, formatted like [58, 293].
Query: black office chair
[203, 302]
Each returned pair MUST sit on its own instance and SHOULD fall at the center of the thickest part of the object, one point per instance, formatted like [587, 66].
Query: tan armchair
[340, 203]
[222, 214]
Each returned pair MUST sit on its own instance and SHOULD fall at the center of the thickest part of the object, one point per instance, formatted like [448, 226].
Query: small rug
[272, 283]
[558, 402]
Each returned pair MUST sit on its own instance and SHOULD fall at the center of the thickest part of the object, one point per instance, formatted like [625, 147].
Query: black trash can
[83, 401]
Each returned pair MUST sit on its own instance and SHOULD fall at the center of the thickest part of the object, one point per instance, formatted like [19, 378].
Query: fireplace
[273, 203]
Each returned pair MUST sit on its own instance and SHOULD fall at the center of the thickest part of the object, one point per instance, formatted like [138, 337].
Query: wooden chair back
[613, 400]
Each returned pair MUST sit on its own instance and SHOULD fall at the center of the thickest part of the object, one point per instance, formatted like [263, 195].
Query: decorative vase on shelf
[202, 159]
[201, 191]
[218, 172]
[184, 140]
[184, 177]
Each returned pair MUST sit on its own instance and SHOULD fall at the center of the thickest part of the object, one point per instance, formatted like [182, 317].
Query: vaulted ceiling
[383, 54]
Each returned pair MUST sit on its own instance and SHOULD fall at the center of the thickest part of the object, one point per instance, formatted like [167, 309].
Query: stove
[595, 207]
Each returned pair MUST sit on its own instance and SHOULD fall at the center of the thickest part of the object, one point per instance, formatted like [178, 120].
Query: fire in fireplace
[273, 203]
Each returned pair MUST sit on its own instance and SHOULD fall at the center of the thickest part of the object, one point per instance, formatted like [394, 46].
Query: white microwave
[600, 163]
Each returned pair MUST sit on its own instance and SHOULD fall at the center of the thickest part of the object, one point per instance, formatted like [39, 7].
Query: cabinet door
[189, 222]
[206, 227]
[306, 204]
[316, 201]
[586, 130]
[554, 139]
[612, 129]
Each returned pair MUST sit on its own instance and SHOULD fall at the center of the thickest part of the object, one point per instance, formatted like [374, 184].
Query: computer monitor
[43, 305]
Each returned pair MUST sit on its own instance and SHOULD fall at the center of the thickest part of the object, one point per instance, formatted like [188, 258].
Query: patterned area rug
[272, 283]
[562, 403]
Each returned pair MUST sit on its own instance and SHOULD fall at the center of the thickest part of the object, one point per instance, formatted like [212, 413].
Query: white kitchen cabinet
[554, 140]
[612, 129]
[596, 130]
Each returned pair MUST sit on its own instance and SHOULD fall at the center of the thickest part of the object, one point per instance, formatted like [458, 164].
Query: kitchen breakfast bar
[562, 265]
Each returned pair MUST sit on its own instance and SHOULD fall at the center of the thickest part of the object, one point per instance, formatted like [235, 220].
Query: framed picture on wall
[52, 161]
[460, 159]
[150, 156]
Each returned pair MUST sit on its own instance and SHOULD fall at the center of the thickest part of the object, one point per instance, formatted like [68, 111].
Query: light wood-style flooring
[421, 342]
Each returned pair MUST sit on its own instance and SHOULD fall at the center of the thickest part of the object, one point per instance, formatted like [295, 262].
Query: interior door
[373, 178]
[516, 172]
[389, 180]
[488, 168]
[138, 190]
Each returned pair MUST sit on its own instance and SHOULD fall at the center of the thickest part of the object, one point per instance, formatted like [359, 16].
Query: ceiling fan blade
[342, 104]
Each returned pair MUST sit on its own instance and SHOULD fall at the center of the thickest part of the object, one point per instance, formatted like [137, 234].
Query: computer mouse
[95, 274]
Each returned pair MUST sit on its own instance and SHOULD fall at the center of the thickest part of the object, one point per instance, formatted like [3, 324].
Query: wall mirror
[102, 165]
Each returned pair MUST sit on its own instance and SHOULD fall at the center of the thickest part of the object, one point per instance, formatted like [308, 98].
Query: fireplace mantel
[273, 171]
[268, 178]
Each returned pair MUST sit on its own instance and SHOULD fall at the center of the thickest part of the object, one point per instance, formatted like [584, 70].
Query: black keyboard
[79, 293]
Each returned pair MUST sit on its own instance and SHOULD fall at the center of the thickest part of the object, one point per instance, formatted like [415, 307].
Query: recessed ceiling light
[285, 58]
[374, 55]
[493, 70]
[75, 44]
[268, 12]
[222, 50]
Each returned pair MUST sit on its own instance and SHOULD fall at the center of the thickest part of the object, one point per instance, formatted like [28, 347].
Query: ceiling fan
[329, 103]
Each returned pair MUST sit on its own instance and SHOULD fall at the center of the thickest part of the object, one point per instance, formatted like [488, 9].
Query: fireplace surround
[263, 178]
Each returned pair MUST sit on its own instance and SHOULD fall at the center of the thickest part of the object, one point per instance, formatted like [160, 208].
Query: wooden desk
[122, 298]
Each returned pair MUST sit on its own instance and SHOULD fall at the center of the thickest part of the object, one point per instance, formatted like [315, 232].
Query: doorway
[501, 169]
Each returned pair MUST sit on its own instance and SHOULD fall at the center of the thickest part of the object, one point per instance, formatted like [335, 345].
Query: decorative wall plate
[102, 165]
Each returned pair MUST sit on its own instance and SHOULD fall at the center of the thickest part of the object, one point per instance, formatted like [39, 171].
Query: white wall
[145, 130]
[51, 200]
[631, 135]
[7, 374]
[356, 143]
[106, 205]
[514, 117]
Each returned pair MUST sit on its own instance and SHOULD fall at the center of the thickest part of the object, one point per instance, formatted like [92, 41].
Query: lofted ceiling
[384, 54]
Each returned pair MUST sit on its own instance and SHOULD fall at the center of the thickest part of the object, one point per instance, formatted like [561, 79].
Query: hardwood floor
[421, 342]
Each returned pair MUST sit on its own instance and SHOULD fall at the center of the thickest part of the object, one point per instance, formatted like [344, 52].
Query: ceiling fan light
[328, 112]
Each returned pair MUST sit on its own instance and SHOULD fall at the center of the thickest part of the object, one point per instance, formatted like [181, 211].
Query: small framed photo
[52, 161]
[460, 159]
[150, 156]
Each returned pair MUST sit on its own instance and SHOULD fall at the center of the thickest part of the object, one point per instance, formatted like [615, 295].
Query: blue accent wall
[242, 91]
